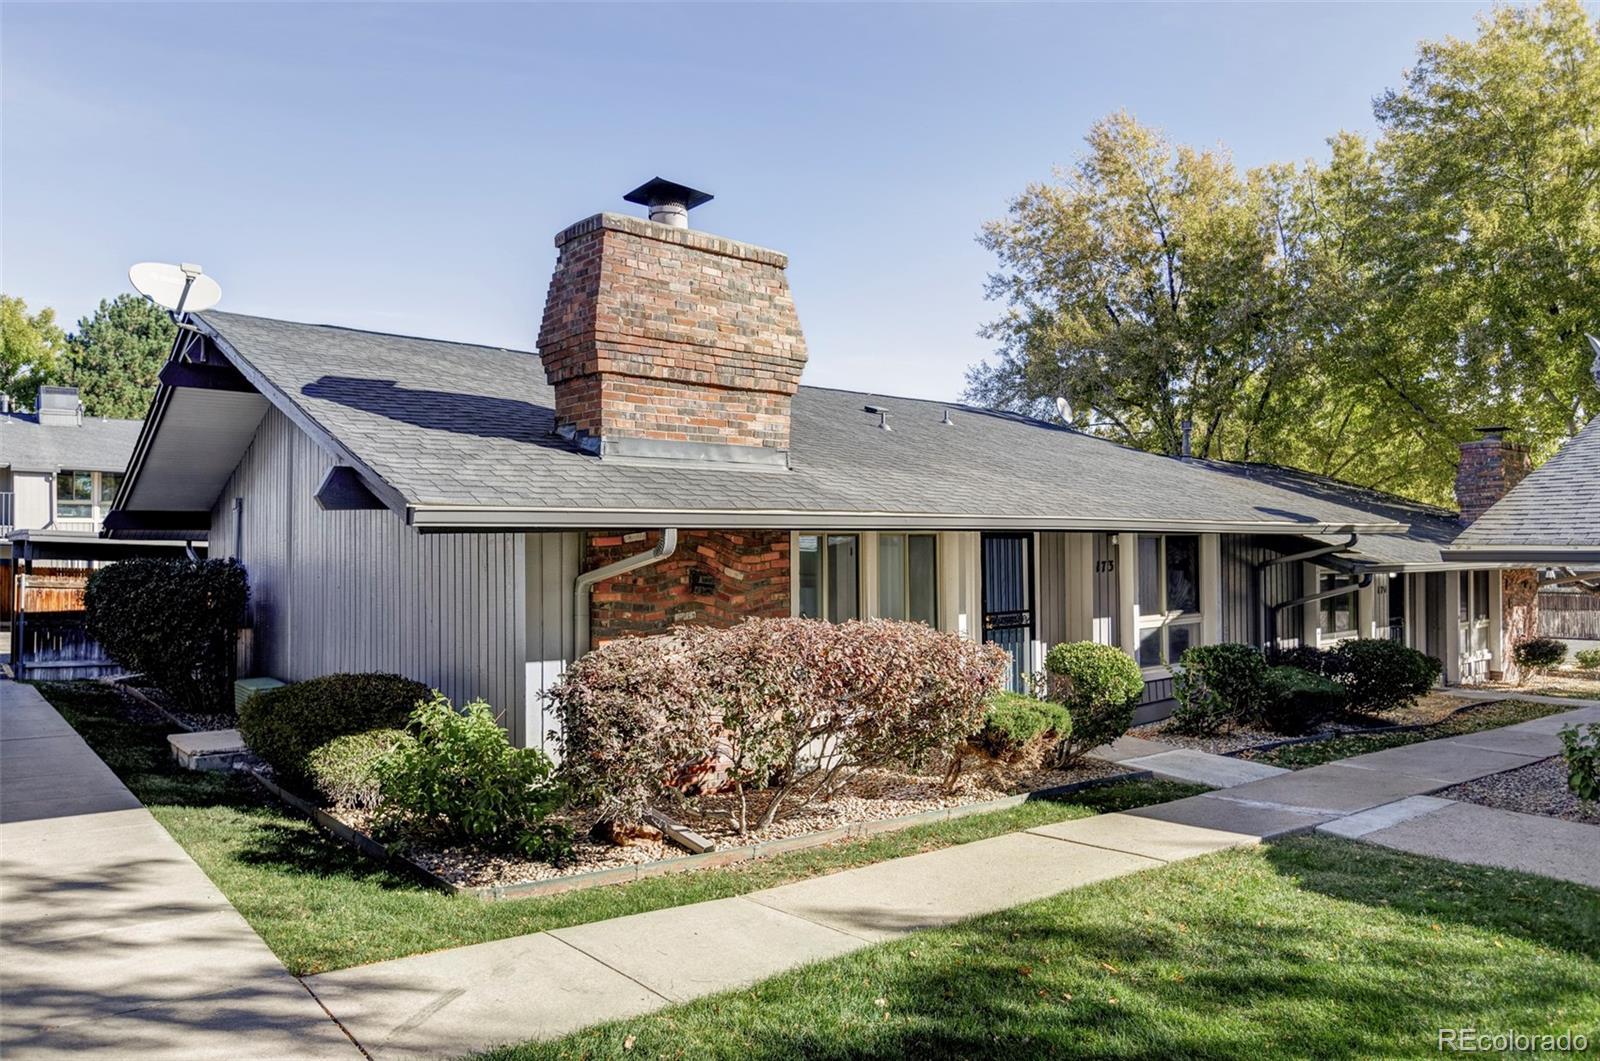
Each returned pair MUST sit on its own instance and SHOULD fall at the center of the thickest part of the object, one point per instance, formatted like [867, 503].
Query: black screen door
[1008, 600]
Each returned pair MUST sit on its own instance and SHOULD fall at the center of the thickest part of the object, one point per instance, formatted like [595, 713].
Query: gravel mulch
[1540, 788]
[872, 795]
[1434, 707]
[198, 722]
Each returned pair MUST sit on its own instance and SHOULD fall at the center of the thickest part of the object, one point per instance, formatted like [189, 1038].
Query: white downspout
[586, 582]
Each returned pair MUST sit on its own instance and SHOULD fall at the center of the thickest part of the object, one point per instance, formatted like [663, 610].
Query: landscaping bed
[873, 801]
[1427, 710]
[1567, 682]
[320, 905]
[1539, 788]
[1478, 716]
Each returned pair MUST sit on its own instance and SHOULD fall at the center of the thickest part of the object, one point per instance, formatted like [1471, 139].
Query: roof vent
[669, 201]
[947, 422]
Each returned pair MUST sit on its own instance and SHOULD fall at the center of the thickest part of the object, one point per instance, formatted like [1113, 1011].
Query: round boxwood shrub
[173, 621]
[1217, 686]
[1588, 658]
[1381, 676]
[1099, 685]
[1534, 654]
[1016, 725]
[340, 771]
[284, 725]
[1294, 700]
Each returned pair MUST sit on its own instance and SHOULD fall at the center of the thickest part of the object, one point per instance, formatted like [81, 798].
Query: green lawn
[319, 905]
[1489, 715]
[1312, 947]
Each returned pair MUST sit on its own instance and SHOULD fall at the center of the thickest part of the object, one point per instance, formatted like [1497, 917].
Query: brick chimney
[664, 343]
[1490, 466]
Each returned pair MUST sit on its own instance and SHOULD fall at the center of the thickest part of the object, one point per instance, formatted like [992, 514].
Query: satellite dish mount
[180, 289]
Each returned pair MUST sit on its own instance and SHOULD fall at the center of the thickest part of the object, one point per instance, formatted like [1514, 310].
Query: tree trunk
[1520, 590]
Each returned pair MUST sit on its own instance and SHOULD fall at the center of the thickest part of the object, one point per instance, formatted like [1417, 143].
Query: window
[110, 482]
[830, 580]
[1397, 607]
[1337, 615]
[908, 578]
[1473, 611]
[75, 495]
[1168, 596]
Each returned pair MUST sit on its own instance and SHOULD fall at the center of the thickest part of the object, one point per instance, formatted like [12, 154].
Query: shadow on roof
[479, 415]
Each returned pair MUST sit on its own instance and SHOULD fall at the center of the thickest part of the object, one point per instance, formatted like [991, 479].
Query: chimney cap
[658, 190]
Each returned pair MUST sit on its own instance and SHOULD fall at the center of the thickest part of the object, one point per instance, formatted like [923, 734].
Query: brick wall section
[746, 573]
[1489, 468]
[662, 333]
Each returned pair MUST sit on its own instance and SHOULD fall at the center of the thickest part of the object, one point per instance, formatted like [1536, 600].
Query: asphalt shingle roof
[470, 427]
[94, 445]
[1558, 504]
[1430, 528]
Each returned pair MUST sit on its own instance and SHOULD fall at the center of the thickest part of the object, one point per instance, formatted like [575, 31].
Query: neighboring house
[58, 468]
[477, 517]
[59, 472]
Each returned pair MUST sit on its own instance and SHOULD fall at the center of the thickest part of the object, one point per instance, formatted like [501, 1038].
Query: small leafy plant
[1535, 654]
[456, 779]
[1380, 676]
[284, 726]
[1582, 752]
[1588, 658]
[1217, 686]
[1099, 685]
[1294, 700]
[1015, 724]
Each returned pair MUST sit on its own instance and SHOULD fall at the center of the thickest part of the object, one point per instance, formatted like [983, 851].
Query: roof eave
[1508, 554]
[485, 518]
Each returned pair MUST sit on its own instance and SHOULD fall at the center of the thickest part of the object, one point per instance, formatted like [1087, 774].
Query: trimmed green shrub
[174, 621]
[455, 779]
[1294, 700]
[1015, 725]
[1380, 675]
[340, 771]
[1217, 686]
[284, 725]
[1582, 752]
[1099, 685]
[1588, 658]
[653, 720]
[1305, 657]
[1535, 654]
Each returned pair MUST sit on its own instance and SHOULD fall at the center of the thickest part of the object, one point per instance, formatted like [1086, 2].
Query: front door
[1008, 600]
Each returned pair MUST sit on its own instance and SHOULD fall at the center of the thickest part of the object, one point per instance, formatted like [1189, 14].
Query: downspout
[1312, 598]
[1270, 634]
[586, 582]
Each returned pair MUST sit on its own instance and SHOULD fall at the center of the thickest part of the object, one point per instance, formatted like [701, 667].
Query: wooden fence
[1570, 614]
[55, 645]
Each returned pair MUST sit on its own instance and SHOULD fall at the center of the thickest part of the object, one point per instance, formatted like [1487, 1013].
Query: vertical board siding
[1055, 588]
[1245, 595]
[1104, 619]
[361, 591]
[554, 560]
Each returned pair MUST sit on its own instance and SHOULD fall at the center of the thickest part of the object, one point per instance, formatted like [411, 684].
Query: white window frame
[1166, 620]
[822, 571]
[1473, 631]
[97, 508]
[1329, 637]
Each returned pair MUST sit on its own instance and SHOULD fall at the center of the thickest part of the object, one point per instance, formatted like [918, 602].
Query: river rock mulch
[1432, 708]
[872, 795]
[1539, 788]
[131, 693]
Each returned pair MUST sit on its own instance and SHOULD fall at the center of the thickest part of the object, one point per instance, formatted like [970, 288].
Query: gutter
[586, 582]
[1311, 598]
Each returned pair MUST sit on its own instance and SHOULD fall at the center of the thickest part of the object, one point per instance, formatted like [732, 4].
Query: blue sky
[404, 167]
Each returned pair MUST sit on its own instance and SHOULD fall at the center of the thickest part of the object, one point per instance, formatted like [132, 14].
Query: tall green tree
[30, 346]
[1356, 316]
[116, 354]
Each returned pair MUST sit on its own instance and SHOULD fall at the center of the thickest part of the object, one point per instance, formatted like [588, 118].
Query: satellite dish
[180, 288]
[1064, 408]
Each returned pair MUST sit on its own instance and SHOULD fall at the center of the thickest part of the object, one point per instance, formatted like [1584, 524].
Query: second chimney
[668, 344]
[1490, 466]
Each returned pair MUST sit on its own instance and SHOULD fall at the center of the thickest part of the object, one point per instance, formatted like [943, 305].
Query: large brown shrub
[792, 707]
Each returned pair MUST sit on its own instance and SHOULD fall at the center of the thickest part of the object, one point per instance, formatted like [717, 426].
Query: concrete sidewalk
[111, 938]
[546, 985]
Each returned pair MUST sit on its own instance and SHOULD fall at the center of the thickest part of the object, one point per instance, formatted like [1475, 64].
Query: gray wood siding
[361, 591]
[1104, 570]
[553, 564]
[1244, 601]
[1054, 588]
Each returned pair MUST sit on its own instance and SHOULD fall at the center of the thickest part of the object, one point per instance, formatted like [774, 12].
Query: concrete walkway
[552, 983]
[111, 938]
